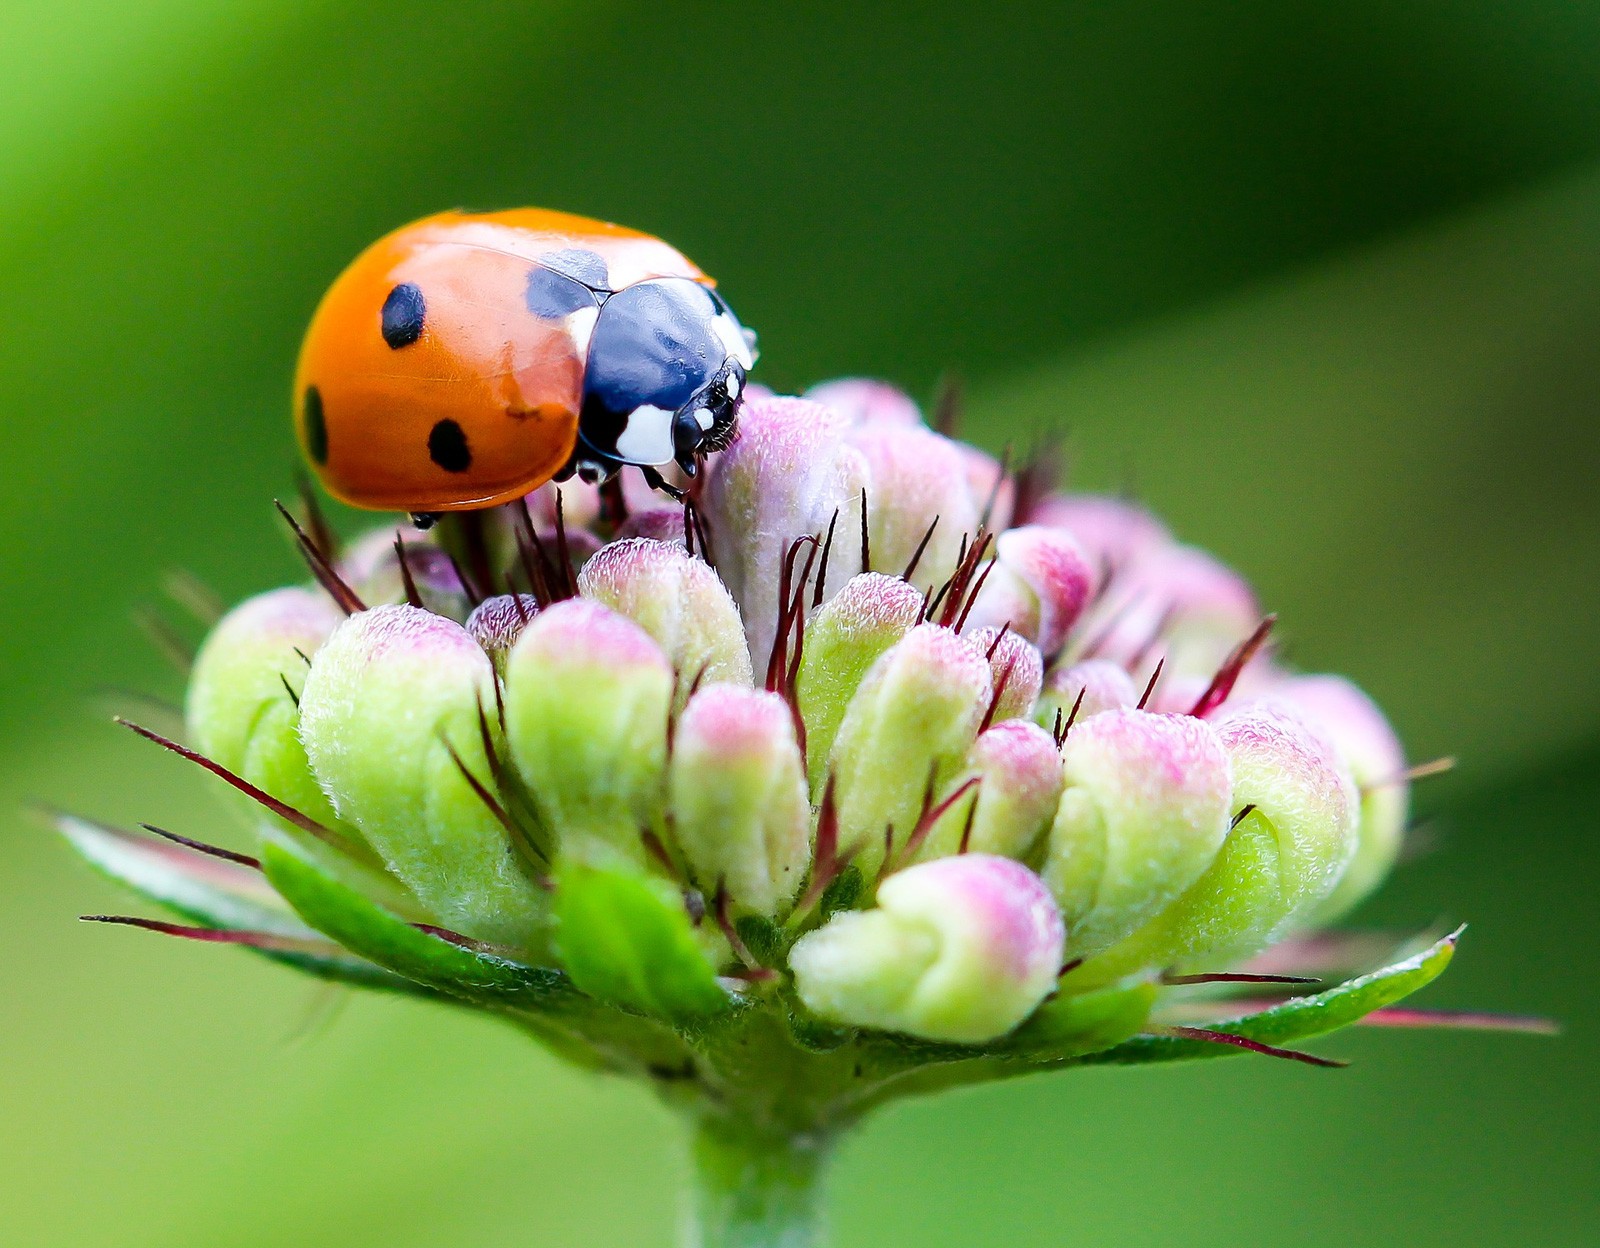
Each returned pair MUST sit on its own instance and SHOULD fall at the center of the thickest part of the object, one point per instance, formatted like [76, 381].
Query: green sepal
[627, 939]
[431, 961]
[1072, 1026]
[762, 937]
[1300, 1018]
[219, 895]
[843, 894]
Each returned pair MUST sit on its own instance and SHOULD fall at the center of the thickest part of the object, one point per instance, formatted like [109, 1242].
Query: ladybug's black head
[664, 379]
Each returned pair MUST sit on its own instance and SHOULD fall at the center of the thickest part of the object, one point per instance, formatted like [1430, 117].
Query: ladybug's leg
[656, 481]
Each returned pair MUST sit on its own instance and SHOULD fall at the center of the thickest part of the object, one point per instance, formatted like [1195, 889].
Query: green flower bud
[912, 721]
[1019, 786]
[587, 698]
[240, 706]
[390, 695]
[739, 802]
[961, 950]
[1277, 864]
[679, 601]
[843, 640]
[1143, 814]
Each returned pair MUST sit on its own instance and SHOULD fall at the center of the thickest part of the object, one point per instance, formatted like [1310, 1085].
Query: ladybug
[466, 359]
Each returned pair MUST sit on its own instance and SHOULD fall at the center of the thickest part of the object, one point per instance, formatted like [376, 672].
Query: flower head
[864, 758]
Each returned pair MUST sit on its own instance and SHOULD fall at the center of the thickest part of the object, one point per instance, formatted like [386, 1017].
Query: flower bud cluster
[867, 728]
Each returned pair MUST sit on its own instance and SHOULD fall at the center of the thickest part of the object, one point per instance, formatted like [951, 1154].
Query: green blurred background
[1319, 281]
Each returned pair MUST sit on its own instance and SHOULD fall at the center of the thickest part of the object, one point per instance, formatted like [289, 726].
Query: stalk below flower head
[870, 761]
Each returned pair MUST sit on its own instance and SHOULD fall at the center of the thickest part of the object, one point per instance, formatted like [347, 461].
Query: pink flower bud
[1039, 586]
[496, 623]
[1144, 813]
[678, 600]
[1358, 731]
[1112, 532]
[1102, 685]
[1015, 666]
[961, 950]
[788, 474]
[1019, 777]
[739, 801]
[914, 476]
[863, 401]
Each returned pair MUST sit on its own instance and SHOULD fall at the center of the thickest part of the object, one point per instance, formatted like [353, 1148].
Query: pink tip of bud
[1039, 588]
[497, 622]
[1016, 667]
[1003, 908]
[863, 401]
[1111, 531]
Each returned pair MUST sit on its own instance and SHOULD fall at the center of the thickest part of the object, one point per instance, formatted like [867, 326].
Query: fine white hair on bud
[496, 623]
[961, 949]
[587, 699]
[1079, 691]
[1292, 836]
[906, 730]
[1039, 585]
[843, 640]
[1362, 737]
[789, 473]
[864, 401]
[679, 601]
[1018, 785]
[1144, 811]
[1016, 667]
[918, 499]
[391, 717]
[738, 793]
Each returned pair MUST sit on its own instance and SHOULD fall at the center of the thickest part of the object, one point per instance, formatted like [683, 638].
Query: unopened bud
[1293, 835]
[390, 714]
[1087, 688]
[915, 476]
[844, 640]
[1039, 585]
[679, 601]
[738, 792]
[1361, 735]
[960, 950]
[1016, 667]
[1142, 817]
[1018, 774]
[787, 475]
[587, 697]
[909, 726]
[496, 623]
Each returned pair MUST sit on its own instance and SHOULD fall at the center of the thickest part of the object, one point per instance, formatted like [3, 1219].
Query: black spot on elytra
[553, 295]
[316, 425]
[447, 447]
[403, 313]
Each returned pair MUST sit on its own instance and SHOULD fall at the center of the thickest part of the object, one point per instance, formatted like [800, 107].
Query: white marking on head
[733, 385]
[703, 418]
[646, 438]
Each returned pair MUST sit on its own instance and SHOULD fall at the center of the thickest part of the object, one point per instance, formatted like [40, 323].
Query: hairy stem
[754, 1188]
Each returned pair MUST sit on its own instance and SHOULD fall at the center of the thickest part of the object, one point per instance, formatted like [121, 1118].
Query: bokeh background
[1321, 282]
